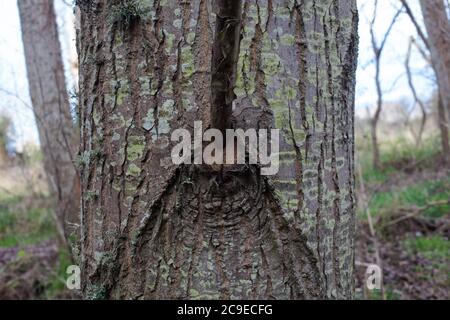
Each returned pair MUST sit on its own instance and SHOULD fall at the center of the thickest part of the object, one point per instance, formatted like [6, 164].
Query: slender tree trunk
[5, 123]
[418, 137]
[443, 126]
[57, 132]
[438, 29]
[376, 160]
[4, 159]
[152, 229]
[377, 52]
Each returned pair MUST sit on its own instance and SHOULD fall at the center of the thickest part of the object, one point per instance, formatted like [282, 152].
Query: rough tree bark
[58, 134]
[438, 28]
[154, 230]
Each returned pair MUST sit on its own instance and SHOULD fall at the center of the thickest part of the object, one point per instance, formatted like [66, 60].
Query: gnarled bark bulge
[154, 230]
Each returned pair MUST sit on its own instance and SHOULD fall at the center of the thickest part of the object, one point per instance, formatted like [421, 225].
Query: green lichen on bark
[95, 292]
[298, 59]
[192, 231]
[126, 12]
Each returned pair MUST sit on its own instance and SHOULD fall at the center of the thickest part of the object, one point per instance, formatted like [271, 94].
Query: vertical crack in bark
[224, 61]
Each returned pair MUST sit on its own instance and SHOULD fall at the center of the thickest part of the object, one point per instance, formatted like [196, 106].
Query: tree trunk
[443, 125]
[417, 101]
[5, 124]
[376, 160]
[438, 29]
[378, 51]
[154, 230]
[57, 131]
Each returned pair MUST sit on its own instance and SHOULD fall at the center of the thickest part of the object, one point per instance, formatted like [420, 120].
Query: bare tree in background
[154, 230]
[438, 44]
[58, 133]
[417, 101]
[5, 125]
[438, 29]
[378, 51]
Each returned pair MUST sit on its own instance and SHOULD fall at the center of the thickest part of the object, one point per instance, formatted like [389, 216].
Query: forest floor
[31, 264]
[409, 204]
[408, 201]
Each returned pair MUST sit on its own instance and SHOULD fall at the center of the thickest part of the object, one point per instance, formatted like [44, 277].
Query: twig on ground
[414, 212]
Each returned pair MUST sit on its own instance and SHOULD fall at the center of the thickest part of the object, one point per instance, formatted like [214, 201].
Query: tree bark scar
[201, 215]
[224, 61]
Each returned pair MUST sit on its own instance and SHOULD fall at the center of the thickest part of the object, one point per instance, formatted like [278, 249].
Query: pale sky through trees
[13, 73]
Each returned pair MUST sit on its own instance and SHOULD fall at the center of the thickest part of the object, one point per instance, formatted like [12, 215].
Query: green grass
[22, 228]
[398, 157]
[401, 151]
[57, 281]
[418, 195]
[432, 246]
[398, 154]
[374, 176]
[33, 226]
[436, 249]
[389, 293]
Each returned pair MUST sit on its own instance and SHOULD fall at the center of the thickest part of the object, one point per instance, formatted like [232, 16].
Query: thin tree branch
[415, 23]
[417, 100]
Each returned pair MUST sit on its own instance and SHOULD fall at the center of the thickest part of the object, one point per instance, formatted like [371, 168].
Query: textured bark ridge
[58, 133]
[154, 230]
[298, 61]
